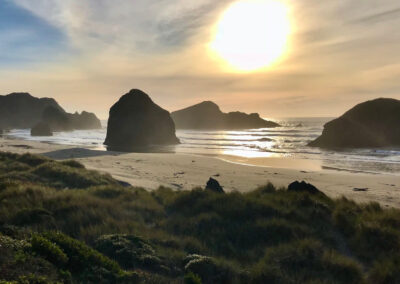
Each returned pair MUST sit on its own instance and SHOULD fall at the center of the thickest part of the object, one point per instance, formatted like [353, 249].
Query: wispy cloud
[341, 52]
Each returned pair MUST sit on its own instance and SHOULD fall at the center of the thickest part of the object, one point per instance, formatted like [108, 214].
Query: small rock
[303, 187]
[360, 189]
[214, 185]
[41, 129]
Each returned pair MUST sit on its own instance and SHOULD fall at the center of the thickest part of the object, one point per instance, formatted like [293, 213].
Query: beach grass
[60, 222]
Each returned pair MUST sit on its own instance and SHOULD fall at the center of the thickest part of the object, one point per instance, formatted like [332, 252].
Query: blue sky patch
[25, 38]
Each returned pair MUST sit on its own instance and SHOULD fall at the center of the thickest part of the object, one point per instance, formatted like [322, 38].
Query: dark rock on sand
[303, 187]
[371, 124]
[207, 115]
[214, 185]
[41, 129]
[135, 122]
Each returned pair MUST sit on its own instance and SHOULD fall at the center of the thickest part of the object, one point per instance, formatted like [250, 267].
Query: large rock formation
[373, 123]
[207, 115]
[59, 120]
[135, 121]
[85, 120]
[21, 110]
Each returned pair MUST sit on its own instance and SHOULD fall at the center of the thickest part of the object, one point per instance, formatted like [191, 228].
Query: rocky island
[371, 124]
[22, 110]
[41, 115]
[135, 121]
[207, 115]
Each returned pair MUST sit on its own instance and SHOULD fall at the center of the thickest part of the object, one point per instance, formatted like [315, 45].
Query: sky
[87, 54]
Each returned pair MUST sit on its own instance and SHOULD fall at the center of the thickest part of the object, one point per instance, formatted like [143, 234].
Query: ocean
[289, 141]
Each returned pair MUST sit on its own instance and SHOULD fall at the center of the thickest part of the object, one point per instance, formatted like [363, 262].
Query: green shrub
[48, 250]
[209, 270]
[32, 216]
[84, 262]
[304, 261]
[73, 164]
[129, 251]
[191, 278]
[61, 176]
[386, 271]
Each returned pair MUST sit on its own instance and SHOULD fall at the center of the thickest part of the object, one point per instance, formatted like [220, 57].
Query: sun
[252, 34]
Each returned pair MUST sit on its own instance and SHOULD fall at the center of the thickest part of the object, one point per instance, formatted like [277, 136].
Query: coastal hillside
[60, 222]
[207, 115]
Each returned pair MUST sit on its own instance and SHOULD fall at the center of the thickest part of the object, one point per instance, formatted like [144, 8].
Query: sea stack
[21, 110]
[207, 115]
[371, 124]
[135, 122]
[41, 129]
[59, 120]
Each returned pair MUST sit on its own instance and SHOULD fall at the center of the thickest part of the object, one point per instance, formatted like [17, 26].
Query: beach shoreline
[186, 171]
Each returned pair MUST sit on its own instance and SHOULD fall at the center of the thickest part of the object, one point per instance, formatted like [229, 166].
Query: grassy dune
[62, 223]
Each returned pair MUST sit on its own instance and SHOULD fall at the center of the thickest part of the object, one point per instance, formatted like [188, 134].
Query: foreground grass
[62, 223]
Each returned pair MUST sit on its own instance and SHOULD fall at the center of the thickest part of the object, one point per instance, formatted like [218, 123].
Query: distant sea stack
[207, 115]
[135, 121]
[371, 124]
[22, 110]
[85, 120]
[59, 120]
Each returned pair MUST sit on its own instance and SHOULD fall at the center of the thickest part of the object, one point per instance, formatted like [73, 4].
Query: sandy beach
[185, 172]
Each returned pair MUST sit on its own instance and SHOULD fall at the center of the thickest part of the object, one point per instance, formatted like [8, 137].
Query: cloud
[88, 53]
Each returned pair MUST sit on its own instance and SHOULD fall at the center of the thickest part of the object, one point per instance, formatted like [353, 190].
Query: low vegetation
[62, 223]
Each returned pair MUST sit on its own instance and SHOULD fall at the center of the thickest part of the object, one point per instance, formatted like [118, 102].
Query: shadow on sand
[76, 153]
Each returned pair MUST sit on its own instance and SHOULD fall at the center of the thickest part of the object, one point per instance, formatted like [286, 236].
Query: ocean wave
[265, 139]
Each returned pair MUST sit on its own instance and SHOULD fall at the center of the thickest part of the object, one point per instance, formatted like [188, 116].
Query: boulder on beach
[303, 187]
[214, 185]
[371, 124]
[41, 129]
[207, 115]
[135, 121]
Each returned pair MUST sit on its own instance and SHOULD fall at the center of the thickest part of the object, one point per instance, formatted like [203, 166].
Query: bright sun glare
[252, 34]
